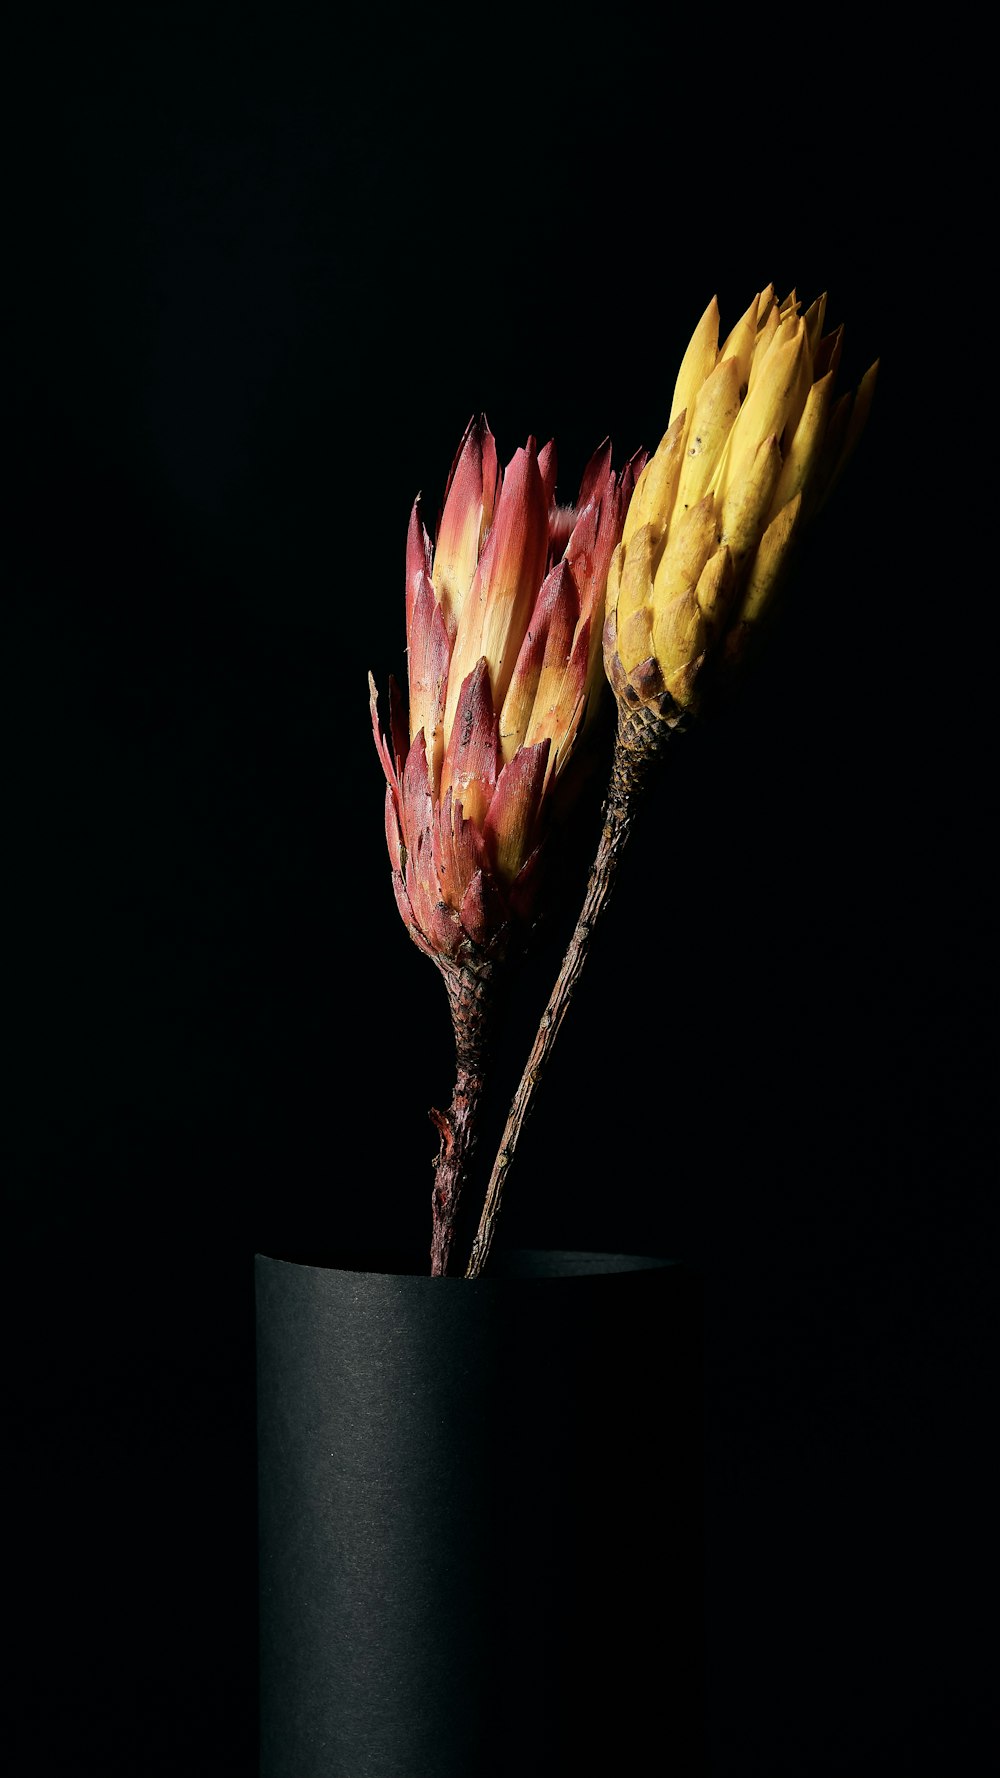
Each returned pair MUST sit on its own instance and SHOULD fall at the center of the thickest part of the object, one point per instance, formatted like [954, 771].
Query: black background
[263, 272]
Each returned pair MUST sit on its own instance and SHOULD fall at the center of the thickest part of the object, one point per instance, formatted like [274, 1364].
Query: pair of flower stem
[638, 744]
[655, 582]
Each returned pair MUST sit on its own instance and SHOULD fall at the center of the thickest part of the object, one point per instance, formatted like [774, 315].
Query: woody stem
[469, 999]
[638, 744]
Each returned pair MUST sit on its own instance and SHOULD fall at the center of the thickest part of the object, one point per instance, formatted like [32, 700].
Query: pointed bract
[513, 814]
[557, 605]
[472, 758]
[698, 361]
[466, 517]
[429, 657]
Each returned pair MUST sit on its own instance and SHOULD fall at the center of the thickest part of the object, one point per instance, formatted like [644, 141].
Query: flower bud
[755, 445]
[504, 616]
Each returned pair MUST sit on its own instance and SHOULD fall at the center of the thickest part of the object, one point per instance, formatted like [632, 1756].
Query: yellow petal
[768, 326]
[814, 317]
[739, 343]
[768, 563]
[634, 593]
[803, 449]
[653, 500]
[715, 584]
[680, 633]
[766, 407]
[798, 393]
[636, 583]
[692, 540]
[683, 684]
[748, 501]
[716, 406]
[635, 638]
[698, 361]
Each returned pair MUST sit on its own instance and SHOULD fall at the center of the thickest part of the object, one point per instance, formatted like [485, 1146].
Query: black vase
[480, 1519]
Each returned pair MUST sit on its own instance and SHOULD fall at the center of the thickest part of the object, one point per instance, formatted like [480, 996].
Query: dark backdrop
[263, 272]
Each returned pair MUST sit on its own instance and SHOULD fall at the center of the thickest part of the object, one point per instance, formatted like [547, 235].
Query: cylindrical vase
[480, 1519]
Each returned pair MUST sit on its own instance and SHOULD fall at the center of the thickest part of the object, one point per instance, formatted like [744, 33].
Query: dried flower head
[757, 439]
[504, 614]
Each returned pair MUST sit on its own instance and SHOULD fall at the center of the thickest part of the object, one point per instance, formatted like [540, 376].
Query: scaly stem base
[469, 998]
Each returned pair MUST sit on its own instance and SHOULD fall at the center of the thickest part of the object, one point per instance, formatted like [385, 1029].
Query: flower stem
[469, 999]
[639, 742]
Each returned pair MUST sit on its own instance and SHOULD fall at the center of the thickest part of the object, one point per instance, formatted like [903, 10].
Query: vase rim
[520, 1265]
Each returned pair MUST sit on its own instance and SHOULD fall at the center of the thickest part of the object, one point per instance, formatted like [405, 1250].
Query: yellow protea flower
[756, 441]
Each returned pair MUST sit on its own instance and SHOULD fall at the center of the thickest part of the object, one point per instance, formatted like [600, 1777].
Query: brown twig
[640, 740]
[469, 999]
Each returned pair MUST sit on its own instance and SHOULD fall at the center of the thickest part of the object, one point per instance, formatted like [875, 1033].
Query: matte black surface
[480, 1520]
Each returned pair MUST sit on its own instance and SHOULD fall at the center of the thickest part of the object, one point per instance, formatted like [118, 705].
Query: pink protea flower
[504, 616]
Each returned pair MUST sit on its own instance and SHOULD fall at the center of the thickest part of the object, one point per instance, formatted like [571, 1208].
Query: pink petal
[416, 877]
[416, 805]
[418, 562]
[547, 469]
[473, 473]
[466, 516]
[393, 832]
[472, 755]
[513, 813]
[429, 657]
[408, 917]
[459, 851]
[388, 764]
[595, 474]
[484, 911]
[556, 596]
[511, 569]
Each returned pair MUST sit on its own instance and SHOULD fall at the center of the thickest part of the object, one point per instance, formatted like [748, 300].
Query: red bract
[504, 615]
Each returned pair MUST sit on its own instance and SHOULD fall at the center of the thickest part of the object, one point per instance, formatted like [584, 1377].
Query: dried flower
[504, 615]
[503, 626]
[755, 444]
